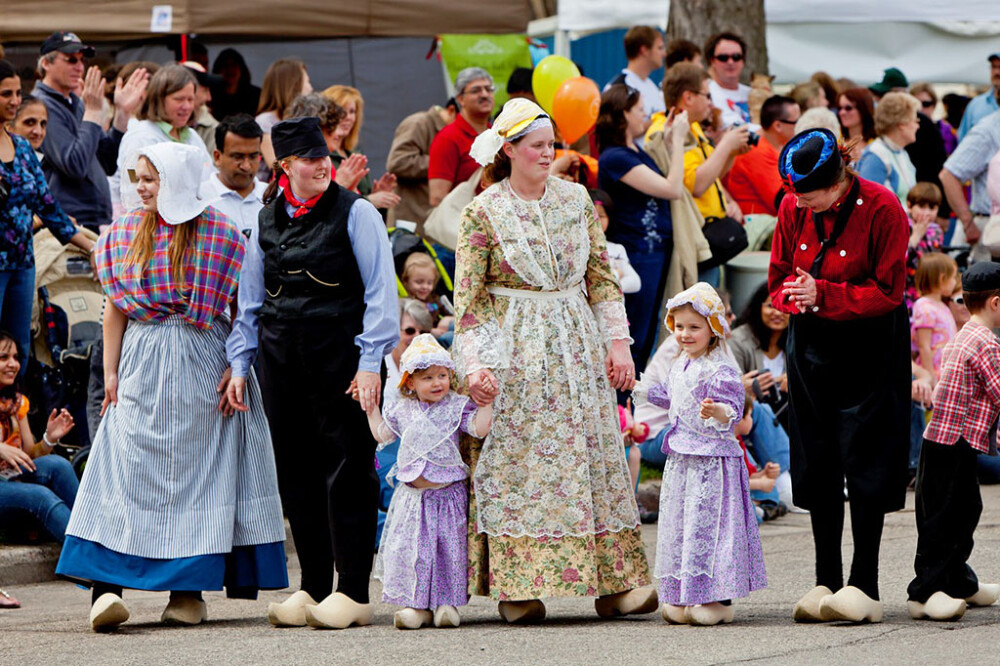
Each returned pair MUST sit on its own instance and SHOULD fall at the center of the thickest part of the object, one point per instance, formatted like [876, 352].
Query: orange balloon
[575, 106]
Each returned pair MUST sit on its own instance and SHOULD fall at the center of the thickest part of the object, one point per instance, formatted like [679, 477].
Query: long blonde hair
[141, 250]
[342, 96]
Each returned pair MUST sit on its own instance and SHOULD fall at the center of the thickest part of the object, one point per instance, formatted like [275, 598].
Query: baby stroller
[65, 324]
[404, 243]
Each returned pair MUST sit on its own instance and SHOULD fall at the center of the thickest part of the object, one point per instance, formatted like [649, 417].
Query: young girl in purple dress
[708, 548]
[422, 559]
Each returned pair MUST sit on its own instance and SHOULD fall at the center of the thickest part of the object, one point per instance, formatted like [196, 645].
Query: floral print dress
[551, 510]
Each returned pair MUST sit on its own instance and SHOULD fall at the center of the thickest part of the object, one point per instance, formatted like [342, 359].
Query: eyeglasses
[72, 59]
[846, 108]
[928, 104]
[410, 330]
[479, 89]
[726, 57]
[698, 92]
[787, 122]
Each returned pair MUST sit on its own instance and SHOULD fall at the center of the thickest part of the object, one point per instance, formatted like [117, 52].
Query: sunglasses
[928, 104]
[726, 57]
[72, 59]
[958, 300]
[846, 108]
[410, 330]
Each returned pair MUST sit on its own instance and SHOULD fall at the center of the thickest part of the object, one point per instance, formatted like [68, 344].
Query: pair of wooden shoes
[337, 611]
[702, 615]
[110, 611]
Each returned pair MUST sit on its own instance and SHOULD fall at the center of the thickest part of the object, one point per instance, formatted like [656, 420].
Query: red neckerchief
[301, 207]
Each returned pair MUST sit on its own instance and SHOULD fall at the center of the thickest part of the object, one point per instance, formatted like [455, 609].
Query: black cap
[205, 79]
[66, 42]
[983, 276]
[810, 161]
[299, 137]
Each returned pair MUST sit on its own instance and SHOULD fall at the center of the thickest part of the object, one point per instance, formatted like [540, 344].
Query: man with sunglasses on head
[79, 154]
[726, 53]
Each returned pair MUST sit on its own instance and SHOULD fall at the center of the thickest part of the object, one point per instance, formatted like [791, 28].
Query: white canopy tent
[927, 39]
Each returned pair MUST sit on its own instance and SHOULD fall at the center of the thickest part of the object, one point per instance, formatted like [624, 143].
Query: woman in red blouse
[837, 266]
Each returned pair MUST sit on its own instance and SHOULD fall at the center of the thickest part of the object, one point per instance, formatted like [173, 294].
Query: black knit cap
[299, 137]
[810, 161]
[983, 276]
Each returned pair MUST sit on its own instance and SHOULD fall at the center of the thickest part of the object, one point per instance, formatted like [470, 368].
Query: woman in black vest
[317, 298]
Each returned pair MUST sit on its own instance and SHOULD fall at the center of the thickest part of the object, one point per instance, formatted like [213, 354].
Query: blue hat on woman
[810, 161]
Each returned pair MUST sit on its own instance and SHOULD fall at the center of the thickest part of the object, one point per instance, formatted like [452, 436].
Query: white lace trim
[612, 321]
[721, 426]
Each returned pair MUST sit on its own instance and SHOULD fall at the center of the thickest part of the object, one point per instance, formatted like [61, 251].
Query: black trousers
[324, 451]
[845, 427]
[948, 509]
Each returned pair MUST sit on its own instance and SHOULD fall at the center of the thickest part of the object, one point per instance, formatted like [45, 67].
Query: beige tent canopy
[98, 20]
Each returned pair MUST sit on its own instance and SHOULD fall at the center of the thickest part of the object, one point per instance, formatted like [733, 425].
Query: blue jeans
[17, 293]
[917, 423]
[769, 439]
[651, 450]
[989, 469]
[47, 494]
[385, 459]
[643, 307]
[713, 276]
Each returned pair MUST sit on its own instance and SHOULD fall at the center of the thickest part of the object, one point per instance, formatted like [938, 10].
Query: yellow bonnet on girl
[424, 352]
[703, 298]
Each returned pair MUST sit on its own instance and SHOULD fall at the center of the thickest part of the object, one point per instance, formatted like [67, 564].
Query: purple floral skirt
[708, 545]
[423, 557]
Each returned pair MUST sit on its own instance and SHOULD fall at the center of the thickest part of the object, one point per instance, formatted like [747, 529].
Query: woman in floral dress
[541, 325]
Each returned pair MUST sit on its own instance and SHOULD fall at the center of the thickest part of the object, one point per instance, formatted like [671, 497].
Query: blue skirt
[242, 571]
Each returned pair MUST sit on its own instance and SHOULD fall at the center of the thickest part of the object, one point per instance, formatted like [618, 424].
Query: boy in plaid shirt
[963, 425]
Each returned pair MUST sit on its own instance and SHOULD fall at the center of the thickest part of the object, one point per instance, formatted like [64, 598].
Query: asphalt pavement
[52, 626]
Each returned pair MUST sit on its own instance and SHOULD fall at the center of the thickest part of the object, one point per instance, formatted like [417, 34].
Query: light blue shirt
[980, 107]
[380, 332]
[242, 212]
[971, 160]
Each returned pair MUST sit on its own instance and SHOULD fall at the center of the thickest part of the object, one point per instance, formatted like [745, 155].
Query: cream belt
[537, 295]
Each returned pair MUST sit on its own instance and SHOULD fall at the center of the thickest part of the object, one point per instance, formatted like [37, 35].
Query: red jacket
[863, 273]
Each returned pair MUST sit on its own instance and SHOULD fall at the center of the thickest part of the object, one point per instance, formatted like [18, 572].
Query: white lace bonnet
[422, 353]
[519, 116]
[706, 302]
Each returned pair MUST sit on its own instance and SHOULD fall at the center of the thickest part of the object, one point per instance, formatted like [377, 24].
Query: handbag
[726, 237]
[441, 224]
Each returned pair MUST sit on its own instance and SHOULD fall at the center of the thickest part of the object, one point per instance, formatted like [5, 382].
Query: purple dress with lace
[708, 546]
[423, 556]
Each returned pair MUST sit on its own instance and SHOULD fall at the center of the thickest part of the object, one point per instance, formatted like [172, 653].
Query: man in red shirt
[450, 163]
[753, 181]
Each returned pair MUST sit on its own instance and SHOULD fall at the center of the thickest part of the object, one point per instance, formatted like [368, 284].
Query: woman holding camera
[758, 342]
[24, 192]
